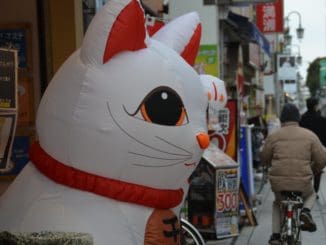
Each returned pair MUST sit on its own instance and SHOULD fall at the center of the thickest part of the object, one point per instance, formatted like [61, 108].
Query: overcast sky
[313, 18]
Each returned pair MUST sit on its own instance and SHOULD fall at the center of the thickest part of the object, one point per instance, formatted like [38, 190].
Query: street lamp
[300, 29]
[288, 50]
[299, 57]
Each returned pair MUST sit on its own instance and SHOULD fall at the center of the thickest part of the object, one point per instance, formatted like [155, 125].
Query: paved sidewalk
[259, 235]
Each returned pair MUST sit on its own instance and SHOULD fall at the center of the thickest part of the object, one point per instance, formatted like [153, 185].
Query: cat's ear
[214, 90]
[117, 27]
[183, 35]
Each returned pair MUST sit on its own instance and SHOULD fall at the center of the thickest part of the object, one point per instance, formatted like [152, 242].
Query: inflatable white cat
[121, 127]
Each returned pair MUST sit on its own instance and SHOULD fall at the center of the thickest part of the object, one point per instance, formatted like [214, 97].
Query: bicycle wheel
[294, 238]
[285, 237]
[296, 231]
[189, 235]
[290, 240]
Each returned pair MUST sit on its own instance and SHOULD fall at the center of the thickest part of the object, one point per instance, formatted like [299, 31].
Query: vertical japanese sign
[269, 17]
[225, 137]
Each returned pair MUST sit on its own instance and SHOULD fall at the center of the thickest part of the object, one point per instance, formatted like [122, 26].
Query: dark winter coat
[293, 153]
[314, 122]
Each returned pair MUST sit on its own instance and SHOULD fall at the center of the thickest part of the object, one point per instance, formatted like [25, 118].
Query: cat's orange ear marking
[209, 96]
[215, 91]
[221, 98]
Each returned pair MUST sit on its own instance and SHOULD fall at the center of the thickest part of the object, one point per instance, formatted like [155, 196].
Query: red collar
[115, 189]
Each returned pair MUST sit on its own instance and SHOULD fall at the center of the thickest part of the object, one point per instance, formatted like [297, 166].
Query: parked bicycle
[189, 234]
[290, 226]
[260, 170]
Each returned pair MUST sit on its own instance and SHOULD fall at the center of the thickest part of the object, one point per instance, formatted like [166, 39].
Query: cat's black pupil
[164, 107]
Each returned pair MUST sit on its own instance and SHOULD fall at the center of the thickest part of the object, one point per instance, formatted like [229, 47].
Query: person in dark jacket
[313, 121]
[292, 153]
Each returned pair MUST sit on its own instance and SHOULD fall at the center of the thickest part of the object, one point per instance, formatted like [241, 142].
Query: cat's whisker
[160, 158]
[159, 165]
[164, 140]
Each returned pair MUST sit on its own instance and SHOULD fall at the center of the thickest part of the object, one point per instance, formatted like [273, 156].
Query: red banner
[269, 17]
[226, 136]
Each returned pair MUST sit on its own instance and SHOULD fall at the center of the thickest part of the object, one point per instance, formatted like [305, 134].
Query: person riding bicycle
[293, 154]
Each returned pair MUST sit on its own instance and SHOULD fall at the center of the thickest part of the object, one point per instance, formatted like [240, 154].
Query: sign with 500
[227, 202]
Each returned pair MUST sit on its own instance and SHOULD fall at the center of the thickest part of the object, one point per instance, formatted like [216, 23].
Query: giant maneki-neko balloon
[121, 127]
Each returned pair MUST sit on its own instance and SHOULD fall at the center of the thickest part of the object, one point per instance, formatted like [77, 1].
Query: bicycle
[290, 226]
[189, 234]
[261, 171]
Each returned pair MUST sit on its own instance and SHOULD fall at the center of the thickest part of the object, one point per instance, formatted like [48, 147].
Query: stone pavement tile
[259, 235]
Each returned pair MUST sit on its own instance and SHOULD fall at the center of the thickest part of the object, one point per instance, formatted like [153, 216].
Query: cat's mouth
[193, 164]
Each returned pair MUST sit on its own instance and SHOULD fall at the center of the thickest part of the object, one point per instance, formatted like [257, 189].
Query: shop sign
[8, 79]
[269, 17]
[286, 69]
[227, 202]
[246, 162]
[206, 61]
[225, 137]
[15, 36]
[254, 55]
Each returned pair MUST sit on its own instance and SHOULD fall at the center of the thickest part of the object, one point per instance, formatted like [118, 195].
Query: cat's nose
[203, 140]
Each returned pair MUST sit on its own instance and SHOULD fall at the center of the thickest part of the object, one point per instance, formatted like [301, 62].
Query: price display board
[227, 202]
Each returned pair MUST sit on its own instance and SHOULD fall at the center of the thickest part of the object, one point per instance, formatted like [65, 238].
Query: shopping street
[211, 79]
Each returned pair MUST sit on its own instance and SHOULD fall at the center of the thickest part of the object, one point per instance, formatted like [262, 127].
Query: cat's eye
[164, 106]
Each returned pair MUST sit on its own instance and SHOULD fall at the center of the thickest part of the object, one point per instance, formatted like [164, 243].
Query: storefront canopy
[248, 31]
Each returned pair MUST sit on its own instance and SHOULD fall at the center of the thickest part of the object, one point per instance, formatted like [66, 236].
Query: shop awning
[248, 31]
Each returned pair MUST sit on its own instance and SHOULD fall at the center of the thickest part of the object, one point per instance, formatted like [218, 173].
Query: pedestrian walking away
[293, 154]
[313, 121]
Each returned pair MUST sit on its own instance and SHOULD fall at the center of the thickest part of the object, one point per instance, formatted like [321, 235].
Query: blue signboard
[246, 165]
[15, 38]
